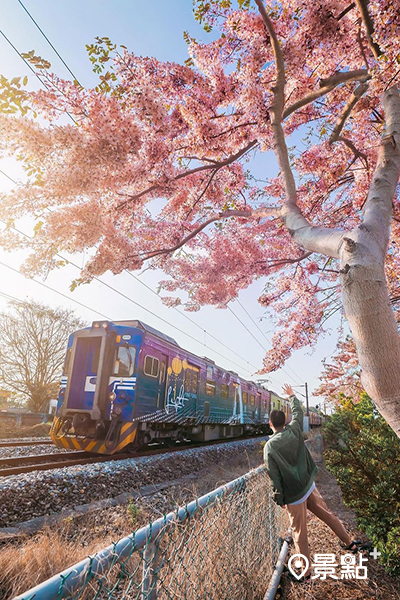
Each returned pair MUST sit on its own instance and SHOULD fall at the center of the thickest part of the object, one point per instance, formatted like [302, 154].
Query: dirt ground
[322, 540]
[9, 431]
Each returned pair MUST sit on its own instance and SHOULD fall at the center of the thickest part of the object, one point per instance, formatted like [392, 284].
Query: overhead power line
[32, 69]
[47, 40]
[188, 318]
[268, 340]
[126, 298]
[57, 292]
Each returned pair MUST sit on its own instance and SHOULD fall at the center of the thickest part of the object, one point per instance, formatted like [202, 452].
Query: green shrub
[133, 511]
[364, 455]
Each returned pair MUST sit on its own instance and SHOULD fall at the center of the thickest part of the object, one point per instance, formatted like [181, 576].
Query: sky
[234, 338]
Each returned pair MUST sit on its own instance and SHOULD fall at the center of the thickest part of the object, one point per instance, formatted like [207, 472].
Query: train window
[188, 380]
[245, 397]
[224, 391]
[191, 380]
[252, 400]
[264, 403]
[210, 372]
[67, 361]
[210, 388]
[195, 380]
[125, 361]
[151, 366]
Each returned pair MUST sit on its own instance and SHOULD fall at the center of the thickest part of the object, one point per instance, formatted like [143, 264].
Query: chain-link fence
[223, 545]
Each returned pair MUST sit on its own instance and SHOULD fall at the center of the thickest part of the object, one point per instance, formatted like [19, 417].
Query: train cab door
[81, 386]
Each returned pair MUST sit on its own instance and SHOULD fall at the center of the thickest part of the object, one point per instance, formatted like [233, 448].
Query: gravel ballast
[30, 495]
[34, 450]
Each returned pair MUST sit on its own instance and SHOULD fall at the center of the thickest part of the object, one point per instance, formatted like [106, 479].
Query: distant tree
[33, 339]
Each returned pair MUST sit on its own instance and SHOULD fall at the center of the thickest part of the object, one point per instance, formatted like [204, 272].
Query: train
[126, 385]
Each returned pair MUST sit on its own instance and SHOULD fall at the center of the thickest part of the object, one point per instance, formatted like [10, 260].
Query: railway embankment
[31, 495]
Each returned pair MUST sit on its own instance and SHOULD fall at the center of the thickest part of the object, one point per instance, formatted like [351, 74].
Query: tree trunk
[362, 253]
[374, 329]
[365, 294]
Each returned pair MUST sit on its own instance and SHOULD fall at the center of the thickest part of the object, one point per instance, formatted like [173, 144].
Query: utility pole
[307, 408]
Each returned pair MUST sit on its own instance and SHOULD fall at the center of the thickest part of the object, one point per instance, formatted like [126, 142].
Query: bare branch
[283, 261]
[362, 6]
[345, 11]
[350, 104]
[357, 153]
[266, 211]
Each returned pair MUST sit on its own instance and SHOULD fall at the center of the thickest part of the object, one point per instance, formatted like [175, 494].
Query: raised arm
[297, 411]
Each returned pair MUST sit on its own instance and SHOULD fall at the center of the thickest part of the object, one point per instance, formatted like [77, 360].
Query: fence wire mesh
[222, 545]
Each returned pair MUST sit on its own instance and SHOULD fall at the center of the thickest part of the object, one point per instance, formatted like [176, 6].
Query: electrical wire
[57, 292]
[47, 40]
[32, 69]
[187, 317]
[126, 298]
[268, 340]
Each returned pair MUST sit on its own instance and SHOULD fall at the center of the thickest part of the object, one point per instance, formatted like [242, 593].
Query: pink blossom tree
[153, 165]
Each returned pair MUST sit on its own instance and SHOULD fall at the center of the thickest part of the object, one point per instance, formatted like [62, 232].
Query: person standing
[292, 471]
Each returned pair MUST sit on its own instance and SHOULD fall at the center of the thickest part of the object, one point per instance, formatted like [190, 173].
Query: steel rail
[17, 443]
[61, 460]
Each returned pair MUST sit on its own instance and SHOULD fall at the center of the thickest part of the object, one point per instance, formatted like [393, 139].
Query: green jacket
[288, 461]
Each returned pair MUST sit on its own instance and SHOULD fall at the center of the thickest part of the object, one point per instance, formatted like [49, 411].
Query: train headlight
[112, 396]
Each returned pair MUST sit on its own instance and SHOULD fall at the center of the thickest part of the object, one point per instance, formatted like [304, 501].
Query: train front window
[125, 361]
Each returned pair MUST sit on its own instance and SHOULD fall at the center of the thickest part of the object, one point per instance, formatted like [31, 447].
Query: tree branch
[318, 239]
[327, 85]
[362, 6]
[222, 215]
[350, 104]
[220, 164]
[356, 152]
[345, 11]
[379, 203]
[284, 261]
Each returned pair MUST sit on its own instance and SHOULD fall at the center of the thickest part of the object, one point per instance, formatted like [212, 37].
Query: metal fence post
[150, 564]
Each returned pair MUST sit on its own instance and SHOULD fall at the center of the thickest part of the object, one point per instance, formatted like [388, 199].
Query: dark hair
[277, 418]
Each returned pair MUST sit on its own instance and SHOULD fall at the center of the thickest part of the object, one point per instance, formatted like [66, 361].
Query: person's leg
[298, 524]
[316, 504]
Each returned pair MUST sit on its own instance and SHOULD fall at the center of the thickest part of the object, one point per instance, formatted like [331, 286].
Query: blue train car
[125, 384]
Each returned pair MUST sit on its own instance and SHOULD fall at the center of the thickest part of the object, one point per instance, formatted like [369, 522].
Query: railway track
[46, 462]
[16, 443]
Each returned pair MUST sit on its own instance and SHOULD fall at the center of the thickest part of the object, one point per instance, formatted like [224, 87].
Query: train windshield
[125, 361]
